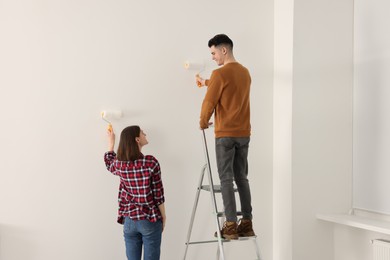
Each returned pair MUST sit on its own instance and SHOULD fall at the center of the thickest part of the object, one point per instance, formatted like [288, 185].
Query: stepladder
[208, 186]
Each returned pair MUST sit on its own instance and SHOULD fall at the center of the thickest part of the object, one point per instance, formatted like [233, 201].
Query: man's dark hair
[221, 39]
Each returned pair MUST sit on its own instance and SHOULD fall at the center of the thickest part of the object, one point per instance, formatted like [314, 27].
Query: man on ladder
[228, 97]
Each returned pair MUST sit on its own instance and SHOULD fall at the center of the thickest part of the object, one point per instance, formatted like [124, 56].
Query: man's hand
[200, 82]
[209, 125]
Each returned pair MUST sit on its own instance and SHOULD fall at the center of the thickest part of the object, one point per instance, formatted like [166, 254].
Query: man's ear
[224, 50]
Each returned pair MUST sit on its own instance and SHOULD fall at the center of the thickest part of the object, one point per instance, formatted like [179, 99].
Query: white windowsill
[354, 220]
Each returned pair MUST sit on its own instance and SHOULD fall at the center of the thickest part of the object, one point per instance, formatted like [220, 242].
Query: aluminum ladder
[218, 216]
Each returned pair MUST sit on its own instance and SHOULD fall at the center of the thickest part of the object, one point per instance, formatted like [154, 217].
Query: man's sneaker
[245, 228]
[229, 230]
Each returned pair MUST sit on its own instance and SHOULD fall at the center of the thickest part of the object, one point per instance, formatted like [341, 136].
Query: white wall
[371, 106]
[354, 243]
[62, 62]
[321, 122]
[370, 127]
[312, 124]
[283, 88]
[322, 142]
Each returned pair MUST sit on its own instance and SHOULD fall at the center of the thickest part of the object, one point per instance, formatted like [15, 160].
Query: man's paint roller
[199, 66]
[108, 115]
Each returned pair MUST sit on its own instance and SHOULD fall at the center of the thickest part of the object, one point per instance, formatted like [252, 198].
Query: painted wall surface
[313, 122]
[62, 62]
[371, 64]
[322, 122]
[283, 88]
[353, 243]
[371, 107]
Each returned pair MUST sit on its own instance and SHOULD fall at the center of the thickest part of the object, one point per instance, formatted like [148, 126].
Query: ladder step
[217, 188]
[223, 240]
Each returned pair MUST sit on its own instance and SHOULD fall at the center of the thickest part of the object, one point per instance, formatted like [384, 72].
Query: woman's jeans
[232, 163]
[142, 232]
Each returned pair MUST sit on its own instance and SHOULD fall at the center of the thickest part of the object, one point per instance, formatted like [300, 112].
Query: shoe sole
[228, 237]
[248, 234]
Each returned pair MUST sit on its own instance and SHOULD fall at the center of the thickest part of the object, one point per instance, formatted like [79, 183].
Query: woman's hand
[161, 207]
[111, 139]
[164, 220]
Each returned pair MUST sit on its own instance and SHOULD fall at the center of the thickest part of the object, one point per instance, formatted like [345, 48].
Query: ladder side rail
[213, 200]
[210, 177]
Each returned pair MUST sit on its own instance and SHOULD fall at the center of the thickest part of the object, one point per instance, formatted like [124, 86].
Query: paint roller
[199, 66]
[108, 115]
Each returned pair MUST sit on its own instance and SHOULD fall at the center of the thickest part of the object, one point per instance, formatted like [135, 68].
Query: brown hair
[128, 149]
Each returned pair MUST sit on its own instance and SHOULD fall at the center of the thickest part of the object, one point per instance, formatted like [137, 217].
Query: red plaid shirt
[140, 189]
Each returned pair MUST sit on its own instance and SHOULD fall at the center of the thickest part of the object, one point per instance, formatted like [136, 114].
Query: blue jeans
[232, 163]
[142, 232]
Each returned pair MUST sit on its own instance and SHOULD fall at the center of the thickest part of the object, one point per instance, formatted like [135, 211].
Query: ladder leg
[194, 210]
[215, 213]
[220, 255]
[258, 257]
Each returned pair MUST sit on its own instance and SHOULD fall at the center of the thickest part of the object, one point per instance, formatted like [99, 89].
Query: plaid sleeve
[157, 185]
[109, 159]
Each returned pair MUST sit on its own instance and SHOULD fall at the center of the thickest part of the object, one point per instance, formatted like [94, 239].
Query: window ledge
[363, 222]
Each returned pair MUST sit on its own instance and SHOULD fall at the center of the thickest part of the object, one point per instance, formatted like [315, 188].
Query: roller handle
[198, 82]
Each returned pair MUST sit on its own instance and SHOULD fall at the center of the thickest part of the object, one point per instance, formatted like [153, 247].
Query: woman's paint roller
[199, 66]
[108, 115]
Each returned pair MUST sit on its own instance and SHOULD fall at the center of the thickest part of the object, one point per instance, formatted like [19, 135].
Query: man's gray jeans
[232, 163]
